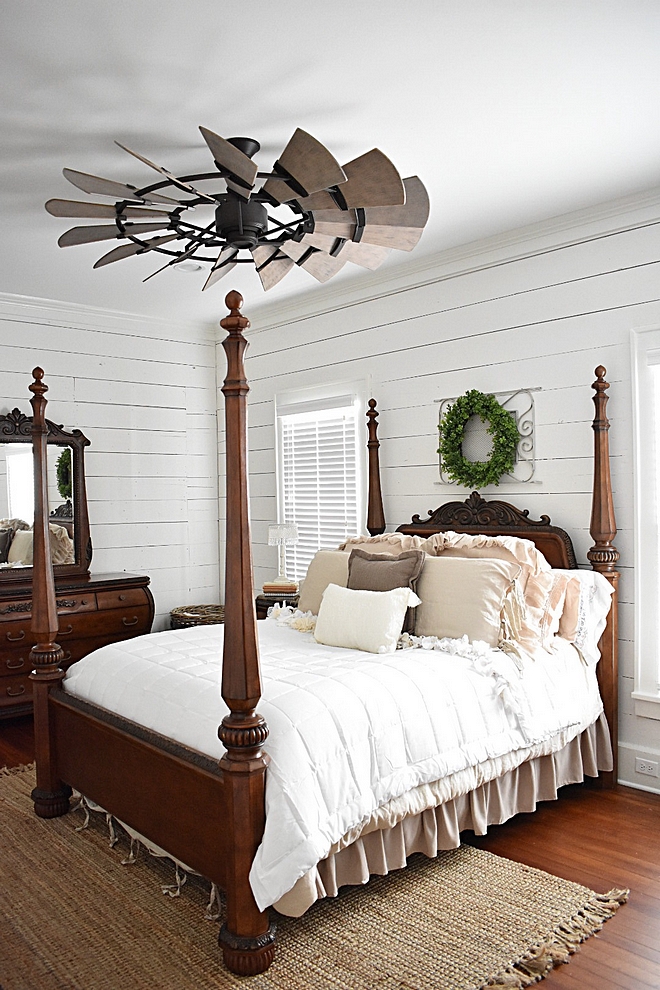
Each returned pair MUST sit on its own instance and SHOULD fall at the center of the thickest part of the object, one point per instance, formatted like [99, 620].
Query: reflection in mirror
[17, 505]
[71, 549]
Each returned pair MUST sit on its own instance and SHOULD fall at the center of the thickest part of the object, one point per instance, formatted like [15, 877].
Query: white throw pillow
[463, 596]
[363, 620]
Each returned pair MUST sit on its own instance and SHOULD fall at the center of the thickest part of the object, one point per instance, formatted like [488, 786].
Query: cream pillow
[20, 551]
[326, 567]
[363, 620]
[463, 596]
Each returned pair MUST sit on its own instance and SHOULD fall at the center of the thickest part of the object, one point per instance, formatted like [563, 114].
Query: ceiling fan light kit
[336, 214]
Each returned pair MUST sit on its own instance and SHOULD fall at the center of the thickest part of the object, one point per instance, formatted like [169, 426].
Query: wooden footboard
[208, 815]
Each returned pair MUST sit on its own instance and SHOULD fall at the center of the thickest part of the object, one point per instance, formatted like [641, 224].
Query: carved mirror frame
[15, 427]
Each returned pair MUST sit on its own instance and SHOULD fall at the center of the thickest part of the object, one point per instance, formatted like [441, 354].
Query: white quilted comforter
[349, 731]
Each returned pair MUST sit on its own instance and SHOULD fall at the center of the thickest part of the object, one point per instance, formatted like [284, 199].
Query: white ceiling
[510, 111]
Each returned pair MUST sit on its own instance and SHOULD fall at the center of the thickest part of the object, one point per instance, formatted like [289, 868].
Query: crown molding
[55, 312]
[562, 231]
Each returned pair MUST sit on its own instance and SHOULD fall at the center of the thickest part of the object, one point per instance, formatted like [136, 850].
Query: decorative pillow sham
[61, 546]
[392, 543]
[587, 604]
[326, 567]
[381, 572]
[363, 620]
[20, 551]
[464, 596]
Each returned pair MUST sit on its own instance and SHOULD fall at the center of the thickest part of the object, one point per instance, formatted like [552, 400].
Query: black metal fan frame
[207, 237]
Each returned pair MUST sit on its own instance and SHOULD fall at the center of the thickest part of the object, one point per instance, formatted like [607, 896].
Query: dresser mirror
[71, 548]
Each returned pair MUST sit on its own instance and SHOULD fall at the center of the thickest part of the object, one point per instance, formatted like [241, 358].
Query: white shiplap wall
[143, 392]
[539, 308]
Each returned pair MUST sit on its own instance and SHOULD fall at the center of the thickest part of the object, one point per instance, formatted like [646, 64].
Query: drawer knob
[122, 598]
[15, 664]
[15, 694]
[130, 622]
[16, 639]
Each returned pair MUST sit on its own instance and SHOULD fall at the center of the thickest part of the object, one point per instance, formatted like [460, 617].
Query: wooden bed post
[247, 937]
[375, 515]
[50, 796]
[603, 556]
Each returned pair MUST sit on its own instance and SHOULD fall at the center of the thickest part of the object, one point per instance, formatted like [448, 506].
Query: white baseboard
[627, 773]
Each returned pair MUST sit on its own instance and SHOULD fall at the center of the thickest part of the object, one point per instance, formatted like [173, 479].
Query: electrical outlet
[649, 767]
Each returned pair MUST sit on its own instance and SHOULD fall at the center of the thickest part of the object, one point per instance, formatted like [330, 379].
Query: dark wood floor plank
[601, 839]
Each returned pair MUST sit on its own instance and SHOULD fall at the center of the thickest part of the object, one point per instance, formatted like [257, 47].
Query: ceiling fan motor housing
[239, 223]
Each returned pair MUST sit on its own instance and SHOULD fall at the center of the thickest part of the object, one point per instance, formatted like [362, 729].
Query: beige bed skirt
[381, 850]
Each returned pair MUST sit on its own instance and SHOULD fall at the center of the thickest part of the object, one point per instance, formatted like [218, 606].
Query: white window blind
[319, 478]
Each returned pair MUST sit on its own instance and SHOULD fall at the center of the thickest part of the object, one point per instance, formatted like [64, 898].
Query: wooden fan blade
[108, 187]
[414, 213]
[338, 223]
[322, 266]
[104, 232]
[324, 242]
[400, 238]
[168, 175]
[70, 208]
[372, 180]
[242, 169]
[223, 265]
[270, 269]
[317, 201]
[319, 264]
[309, 164]
[127, 250]
[366, 255]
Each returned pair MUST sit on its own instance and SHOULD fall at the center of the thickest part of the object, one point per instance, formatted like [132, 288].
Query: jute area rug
[73, 917]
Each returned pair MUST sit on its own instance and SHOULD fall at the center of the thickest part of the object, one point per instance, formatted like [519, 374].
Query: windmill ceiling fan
[333, 214]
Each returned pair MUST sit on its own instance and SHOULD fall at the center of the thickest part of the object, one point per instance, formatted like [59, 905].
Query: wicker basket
[196, 615]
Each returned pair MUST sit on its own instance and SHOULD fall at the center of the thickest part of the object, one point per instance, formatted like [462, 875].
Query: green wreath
[502, 427]
[63, 469]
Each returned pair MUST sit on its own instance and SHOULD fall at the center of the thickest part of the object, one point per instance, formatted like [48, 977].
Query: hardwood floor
[602, 839]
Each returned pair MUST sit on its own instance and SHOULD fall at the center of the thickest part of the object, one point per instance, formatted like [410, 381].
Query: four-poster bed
[159, 786]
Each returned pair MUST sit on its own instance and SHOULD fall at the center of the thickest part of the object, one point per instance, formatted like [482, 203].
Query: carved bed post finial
[604, 555]
[50, 796]
[375, 515]
[247, 937]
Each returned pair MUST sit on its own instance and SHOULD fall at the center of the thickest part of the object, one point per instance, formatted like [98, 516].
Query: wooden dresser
[93, 610]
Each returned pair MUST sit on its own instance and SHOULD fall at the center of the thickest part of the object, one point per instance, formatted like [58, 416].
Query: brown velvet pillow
[5, 542]
[380, 572]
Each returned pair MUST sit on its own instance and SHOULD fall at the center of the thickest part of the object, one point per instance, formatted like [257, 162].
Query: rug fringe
[10, 771]
[564, 941]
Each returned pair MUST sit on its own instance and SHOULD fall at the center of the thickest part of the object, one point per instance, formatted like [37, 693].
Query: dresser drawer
[18, 662]
[66, 605]
[122, 598]
[15, 690]
[111, 622]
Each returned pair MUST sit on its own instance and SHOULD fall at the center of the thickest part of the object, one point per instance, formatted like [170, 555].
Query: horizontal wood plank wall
[143, 392]
[538, 312]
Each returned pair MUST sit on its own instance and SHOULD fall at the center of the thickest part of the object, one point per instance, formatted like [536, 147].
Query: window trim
[312, 399]
[645, 355]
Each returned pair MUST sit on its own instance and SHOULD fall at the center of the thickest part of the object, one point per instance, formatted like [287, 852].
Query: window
[320, 467]
[646, 396]
[20, 486]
